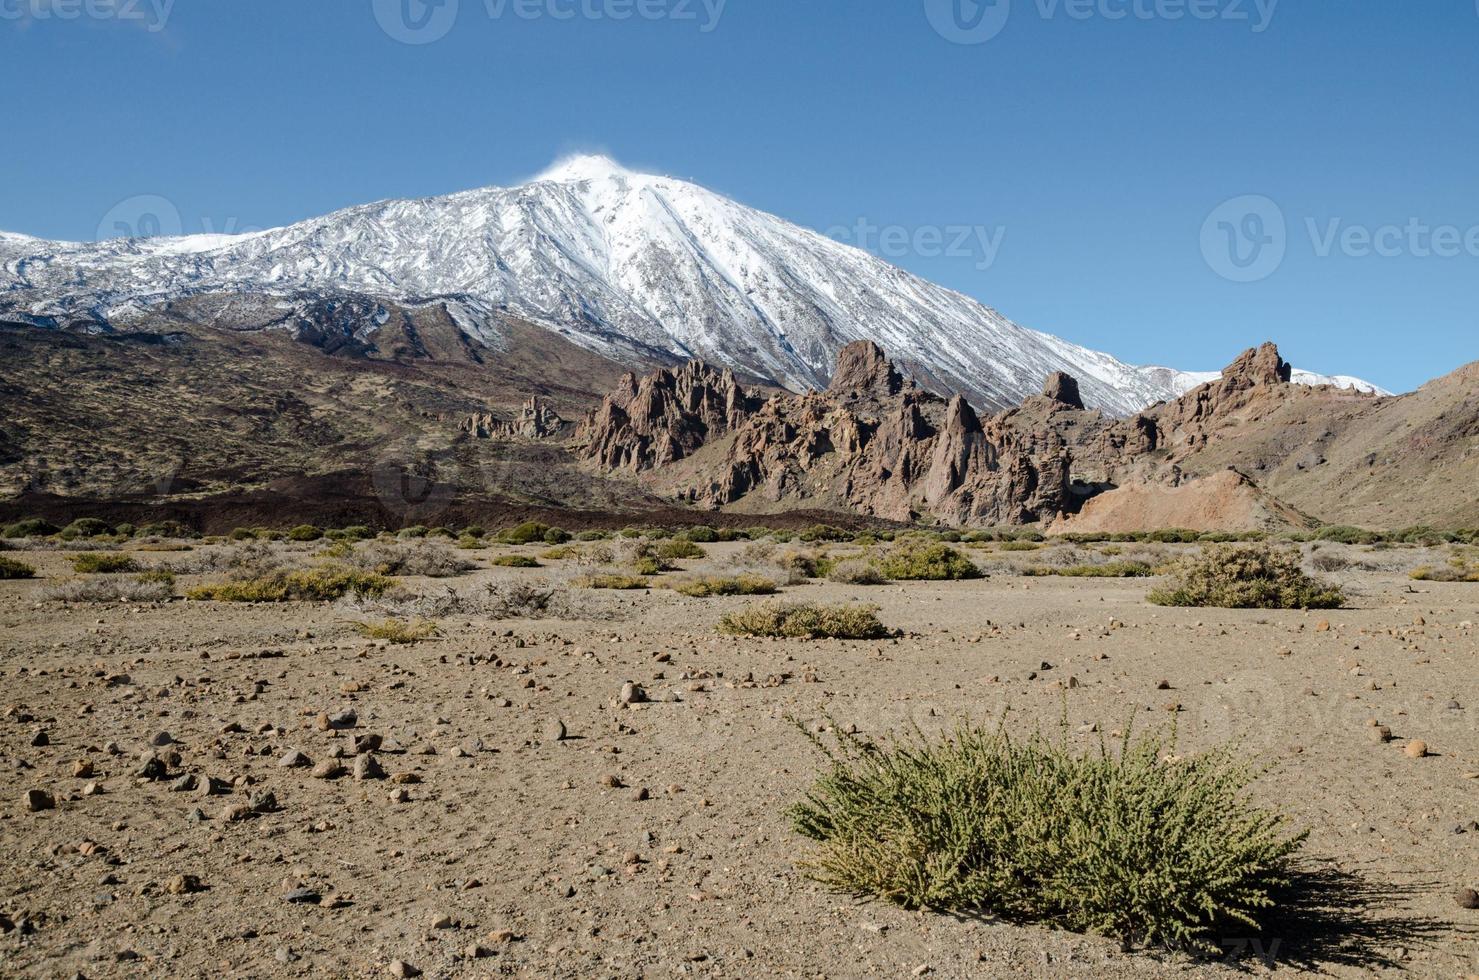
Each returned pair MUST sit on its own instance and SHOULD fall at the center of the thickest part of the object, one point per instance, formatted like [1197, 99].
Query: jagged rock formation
[535, 420]
[664, 416]
[876, 443]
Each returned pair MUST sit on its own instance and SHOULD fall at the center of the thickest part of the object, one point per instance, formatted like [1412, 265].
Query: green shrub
[806, 621]
[31, 527]
[650, 565]
[1448, 573]
[326, 582]
[12, 569]
[1246, 577]
[305, 532]
[824, 532]
[593, 536]
[125, 530]
[525, 533]
[469, 543]
[1019, 546]
[1126, 843]
[103, 563]
[556, 535]
[1345, 534]
[441, 532]
[914, 560]
[514, 561]
[85, 527]
[242, 534]
[678, 548]
[1173, 535]
[702, 534]
[718, 585]
[156, 576]
[398, 632]
[414, 531]
[1114, 569]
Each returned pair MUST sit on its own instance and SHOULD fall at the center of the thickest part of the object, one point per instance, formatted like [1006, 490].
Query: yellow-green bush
[720, 585]
[1246, 577]
[325, 582]
[916, 559]
[103, 563]
[808, 621]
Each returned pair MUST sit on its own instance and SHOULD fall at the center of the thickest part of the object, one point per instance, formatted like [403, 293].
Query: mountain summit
[632, 266]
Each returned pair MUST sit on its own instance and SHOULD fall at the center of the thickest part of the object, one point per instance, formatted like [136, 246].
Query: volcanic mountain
[639, 269]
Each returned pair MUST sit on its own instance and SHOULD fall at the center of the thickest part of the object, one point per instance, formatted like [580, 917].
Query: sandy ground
[652, 841]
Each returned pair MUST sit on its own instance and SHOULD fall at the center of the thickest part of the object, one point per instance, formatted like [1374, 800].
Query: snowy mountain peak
[622, 263]
[583, 167]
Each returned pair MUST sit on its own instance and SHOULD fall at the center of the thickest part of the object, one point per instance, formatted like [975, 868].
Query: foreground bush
[1127, 844]
[304, 585]
[927, 561]
[10, 569]
[805, 621]
[720, 585]
[416, 556]
[1243, 577]
[679, 548]
[305, 532]
[103, 563]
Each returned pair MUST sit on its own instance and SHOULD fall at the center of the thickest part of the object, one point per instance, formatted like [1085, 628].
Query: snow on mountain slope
[615, 261]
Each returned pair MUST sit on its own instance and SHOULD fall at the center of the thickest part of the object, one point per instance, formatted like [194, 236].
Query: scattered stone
[235, 813]
[328, 769]
[400, 968]
[82, 769]
[152, 769]
[263, 802]
[41, 738]
[38, 800]
[367, 767]
[554, 730]
[1467, 898]
[1416, 749]
[1380, 733]
[367, 743]
[161, 739]
[294, 760]
[632, 693]
[303, 896]
[184, 784]
[501, 936]
[182, 885]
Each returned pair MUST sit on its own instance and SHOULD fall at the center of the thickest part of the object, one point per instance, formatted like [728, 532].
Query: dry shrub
[12, 569]
[320, 584]
[514, 561]
[805, 621]
[103, 563]
[720, 585]
[1150, 850]
[495, 600]
[857, 571]
[613, 580]
[397, 631]
[249, 559]
[420, 557]
[110, 589]
[916, 559]
[1112, 569]
[1246, 577]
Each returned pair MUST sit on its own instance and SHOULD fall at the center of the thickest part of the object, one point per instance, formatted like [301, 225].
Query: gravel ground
[651, 840]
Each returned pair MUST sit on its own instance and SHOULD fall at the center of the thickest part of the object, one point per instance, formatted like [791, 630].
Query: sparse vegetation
[85, 527]
[112, 589]
[418, 557]
[103, 563]
[12, 569]
[305, 532]
[807, 621]
[323, 583]
[514, 561]
[1152, 849]
[1113, 569]
[1019, 546]
[857, 571]
[397, 631]
[31, 527]
[721, 585]
[613, 580]
[1246, 577]
[1458, 572]
[679, 548]
[916, 560]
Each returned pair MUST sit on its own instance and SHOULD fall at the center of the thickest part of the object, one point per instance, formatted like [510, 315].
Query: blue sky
[1093, 143]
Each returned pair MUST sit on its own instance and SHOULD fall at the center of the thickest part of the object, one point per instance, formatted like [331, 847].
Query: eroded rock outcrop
[663, 417]
[535, 420]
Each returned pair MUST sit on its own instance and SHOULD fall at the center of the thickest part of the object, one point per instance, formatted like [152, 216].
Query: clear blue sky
[1100, 146]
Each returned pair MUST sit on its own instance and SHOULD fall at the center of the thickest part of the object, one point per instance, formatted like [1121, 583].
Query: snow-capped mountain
[614, 260]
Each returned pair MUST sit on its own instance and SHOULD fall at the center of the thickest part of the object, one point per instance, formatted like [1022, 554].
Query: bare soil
[652, 840]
